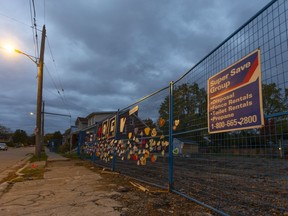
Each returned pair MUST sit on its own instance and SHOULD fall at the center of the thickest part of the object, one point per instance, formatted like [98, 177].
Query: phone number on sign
[234, 122]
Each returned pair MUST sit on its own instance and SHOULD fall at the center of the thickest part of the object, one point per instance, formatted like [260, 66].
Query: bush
[64, 148]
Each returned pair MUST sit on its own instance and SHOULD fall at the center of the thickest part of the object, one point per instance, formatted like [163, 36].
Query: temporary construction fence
[164, 140]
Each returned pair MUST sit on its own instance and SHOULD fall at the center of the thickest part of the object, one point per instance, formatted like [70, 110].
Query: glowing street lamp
[9, 48]
[32, 58]
[39, 62]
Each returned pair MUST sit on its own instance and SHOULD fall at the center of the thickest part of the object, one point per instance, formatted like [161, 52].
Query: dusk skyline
[105, 55]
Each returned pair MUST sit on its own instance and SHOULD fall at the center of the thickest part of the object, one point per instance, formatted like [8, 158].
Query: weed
[33, 173]
[43, 157]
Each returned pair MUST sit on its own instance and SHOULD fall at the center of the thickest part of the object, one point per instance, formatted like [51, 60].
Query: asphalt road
[13, 156]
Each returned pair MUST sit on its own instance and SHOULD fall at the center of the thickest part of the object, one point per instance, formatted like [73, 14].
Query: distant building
[81, 123]
[185, 146]
[87, 124]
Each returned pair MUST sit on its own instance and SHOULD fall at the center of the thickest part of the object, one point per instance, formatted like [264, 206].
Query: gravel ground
[142, 199]
[232, 185]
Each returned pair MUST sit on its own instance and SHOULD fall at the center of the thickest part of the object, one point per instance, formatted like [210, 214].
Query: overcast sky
[103, 55]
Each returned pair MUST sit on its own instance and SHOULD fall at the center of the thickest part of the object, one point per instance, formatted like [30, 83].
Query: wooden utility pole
[42, 123]
[38, 134]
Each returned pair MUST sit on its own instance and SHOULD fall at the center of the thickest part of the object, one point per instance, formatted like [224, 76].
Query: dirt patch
[142, 199]
[11, 175]
[136, 198]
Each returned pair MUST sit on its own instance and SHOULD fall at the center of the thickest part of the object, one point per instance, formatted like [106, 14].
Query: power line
[55, 66]
[34, 27]
[15, 20]
[44, 12]
[60, 89]
[57, 89]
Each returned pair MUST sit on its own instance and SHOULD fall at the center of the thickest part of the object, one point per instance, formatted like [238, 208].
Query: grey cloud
[111, 53]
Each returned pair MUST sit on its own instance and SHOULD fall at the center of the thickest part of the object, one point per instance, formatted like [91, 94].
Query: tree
[31, 139]
[4, 130]
[55, 136]
[20, 136]
[5, 133]
[274, 99]
[189, 107]
[149, 122]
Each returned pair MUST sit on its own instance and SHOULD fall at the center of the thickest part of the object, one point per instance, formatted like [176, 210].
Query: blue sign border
[235, 96]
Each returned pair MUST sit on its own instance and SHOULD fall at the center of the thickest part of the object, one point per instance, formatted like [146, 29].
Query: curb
[4, 185]
[26, 163]
[57, 159]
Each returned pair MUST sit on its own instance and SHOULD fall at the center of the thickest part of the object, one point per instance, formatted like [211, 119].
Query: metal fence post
[94, 142]
[113, 161]
[116, 137]
[80, 142]
[171, 100]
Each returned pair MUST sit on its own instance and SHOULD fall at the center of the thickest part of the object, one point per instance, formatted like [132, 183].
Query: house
[70, 137]
[130, 123]
[94, 120]
[81, 123]
[96, 117]
[87, 124]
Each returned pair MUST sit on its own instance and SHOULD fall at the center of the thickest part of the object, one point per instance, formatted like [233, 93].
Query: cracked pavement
[67, 189]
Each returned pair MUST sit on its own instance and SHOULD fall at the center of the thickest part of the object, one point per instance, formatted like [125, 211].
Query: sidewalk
[74, 188]
[67, 189]
[52, 156]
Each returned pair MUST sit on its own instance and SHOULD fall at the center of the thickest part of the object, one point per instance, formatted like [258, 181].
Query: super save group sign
[235, 96]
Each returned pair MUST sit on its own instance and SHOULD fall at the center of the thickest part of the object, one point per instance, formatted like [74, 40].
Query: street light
[32, 58]
[8, 48]
[47, 113]
[39, 62]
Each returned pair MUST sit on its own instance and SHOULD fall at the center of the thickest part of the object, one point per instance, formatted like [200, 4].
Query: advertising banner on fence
[235, 96]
